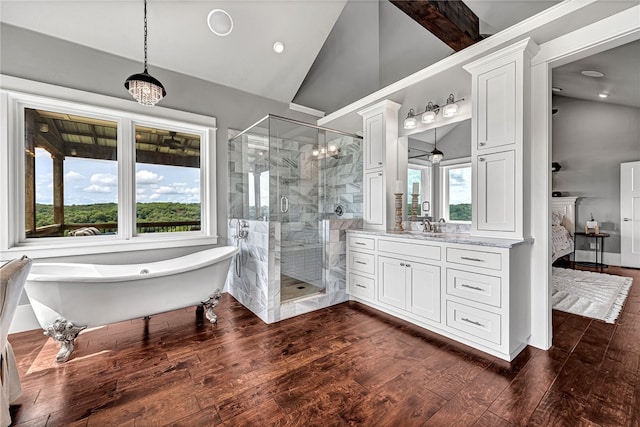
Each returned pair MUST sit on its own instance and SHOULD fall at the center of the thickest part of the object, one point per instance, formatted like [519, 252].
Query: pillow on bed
[557, 217]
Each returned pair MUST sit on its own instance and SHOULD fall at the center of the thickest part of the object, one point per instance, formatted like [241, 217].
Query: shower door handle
[284, 204]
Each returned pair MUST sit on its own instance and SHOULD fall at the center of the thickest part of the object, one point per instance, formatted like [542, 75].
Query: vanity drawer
[474, 287]
[484, 259]
[362, 262]
[362, 242]
[474, 322]
[361, 286]
[409, 249]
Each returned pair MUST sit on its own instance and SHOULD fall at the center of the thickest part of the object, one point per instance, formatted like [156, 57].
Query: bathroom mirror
[444, 189]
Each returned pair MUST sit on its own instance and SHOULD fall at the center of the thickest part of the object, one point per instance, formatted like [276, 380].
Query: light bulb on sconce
[332, 148]
[430, 113]
[451, 109]
[410, 122]
[315, 152]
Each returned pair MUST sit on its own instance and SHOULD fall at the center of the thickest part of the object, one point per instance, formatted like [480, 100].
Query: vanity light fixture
[431, 112]
[436, 155]
[410, 122]
[146, 89]
[451, 109]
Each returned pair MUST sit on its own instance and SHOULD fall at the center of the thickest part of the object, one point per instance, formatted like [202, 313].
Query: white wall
[590, 139]
[33, 56]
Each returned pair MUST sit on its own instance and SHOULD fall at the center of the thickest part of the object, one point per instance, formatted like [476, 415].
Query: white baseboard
[24, 320]
[590, 256]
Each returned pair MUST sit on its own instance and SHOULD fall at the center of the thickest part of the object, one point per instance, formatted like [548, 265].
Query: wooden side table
[600, 236]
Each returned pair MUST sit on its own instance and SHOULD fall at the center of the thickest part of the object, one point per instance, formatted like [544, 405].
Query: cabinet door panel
[392, 285]
[497, 107]
[425, 290]
[374, 199]
[496, 191]
[374, 141]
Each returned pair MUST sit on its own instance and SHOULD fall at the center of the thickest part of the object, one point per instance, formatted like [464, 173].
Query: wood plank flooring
[345, 365]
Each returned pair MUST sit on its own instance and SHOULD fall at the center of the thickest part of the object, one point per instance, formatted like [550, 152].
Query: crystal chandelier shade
[144, 88]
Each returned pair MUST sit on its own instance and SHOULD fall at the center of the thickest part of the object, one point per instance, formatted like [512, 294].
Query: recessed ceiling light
[278, 47]
[556, 89]
[590, 73]
[603, 95]
[220, 22]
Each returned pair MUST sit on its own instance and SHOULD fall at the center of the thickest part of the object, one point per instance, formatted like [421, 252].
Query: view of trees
[460, 212]
[108, 212]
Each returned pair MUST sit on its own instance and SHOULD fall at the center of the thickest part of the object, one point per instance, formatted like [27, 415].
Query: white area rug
[595, 295]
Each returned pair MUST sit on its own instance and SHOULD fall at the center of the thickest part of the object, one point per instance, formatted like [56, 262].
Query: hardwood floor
[345, 365]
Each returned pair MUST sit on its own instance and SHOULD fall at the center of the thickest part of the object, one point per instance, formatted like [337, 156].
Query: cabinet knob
[379, 173]
[482, 144]
[408, 265]
[627, 219]
[482, 159]
[380, 163]
[402, 264]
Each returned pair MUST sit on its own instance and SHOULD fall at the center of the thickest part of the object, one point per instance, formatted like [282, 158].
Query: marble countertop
[462, 238]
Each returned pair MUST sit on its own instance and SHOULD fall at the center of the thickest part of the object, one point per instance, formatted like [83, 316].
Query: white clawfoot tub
[68, 297]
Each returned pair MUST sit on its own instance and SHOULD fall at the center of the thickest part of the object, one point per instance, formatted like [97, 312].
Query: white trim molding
[17, 94]
[610, 32]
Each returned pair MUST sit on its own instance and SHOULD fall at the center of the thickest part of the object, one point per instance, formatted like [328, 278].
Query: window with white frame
[455, 190]
[419, 175]
[80, 175]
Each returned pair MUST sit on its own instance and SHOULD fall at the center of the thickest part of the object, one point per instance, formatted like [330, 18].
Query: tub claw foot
[210, 303]
[64, 333]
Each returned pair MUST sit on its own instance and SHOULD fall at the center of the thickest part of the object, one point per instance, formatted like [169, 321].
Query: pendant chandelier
[146, 89]
[436, 155]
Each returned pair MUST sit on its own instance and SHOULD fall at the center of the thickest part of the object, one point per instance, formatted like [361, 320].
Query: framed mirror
[444, 188]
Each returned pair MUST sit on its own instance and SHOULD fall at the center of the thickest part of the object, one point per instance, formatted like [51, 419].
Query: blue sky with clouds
[88, 181]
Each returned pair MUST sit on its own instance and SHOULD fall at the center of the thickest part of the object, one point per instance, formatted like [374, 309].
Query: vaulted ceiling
[336, 51]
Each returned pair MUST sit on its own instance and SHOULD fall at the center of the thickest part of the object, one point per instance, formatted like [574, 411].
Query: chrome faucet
[427, 226]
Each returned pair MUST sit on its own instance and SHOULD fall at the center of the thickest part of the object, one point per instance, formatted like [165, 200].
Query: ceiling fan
[172, 142]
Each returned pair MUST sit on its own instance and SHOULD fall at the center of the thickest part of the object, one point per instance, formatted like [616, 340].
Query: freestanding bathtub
[68, 297]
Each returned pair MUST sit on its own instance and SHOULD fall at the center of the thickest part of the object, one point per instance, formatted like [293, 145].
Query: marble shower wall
[343, 179]
[251, 287]
[309, 241]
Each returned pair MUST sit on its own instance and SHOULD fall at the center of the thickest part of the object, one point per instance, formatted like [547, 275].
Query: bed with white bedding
[563, 226]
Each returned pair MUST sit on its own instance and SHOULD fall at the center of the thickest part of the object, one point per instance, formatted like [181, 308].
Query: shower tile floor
[292, 289]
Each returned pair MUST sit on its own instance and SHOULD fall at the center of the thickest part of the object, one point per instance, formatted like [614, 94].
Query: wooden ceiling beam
[451, 21]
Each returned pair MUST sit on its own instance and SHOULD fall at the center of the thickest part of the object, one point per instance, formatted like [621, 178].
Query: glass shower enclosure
[294, 189]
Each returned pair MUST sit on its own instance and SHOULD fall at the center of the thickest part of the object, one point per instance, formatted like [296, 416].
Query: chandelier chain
[145, 35]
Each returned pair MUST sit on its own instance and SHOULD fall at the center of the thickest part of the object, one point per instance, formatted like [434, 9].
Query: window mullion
[126, 170]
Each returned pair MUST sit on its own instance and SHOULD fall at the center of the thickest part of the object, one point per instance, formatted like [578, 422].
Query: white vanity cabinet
[409, 276]
[361, 268]
[374, 126]
[411, 286]
[500, 87]
[380, 124]
[496, 196]
[472, 293]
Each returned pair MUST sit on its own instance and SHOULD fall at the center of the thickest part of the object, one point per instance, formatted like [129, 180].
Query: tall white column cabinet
[380, 124]
[500, 142]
